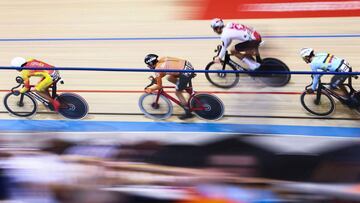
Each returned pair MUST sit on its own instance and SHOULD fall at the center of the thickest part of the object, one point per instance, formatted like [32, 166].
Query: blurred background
[267, 148]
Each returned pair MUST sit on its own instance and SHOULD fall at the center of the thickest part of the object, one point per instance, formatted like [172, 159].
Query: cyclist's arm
[25, 75]
[158, 84]
[316, 77]
[225, 43]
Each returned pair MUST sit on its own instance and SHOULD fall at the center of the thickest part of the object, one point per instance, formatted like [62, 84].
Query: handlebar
[217, 51]
[153, 81]
[20, 82]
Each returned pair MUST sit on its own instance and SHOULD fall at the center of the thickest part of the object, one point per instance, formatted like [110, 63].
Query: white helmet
[304, 52]
[18, 61]
[217, 22]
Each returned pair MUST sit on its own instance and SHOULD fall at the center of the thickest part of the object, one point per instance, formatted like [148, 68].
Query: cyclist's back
[325, 62]
[171, 63]
[239, 32]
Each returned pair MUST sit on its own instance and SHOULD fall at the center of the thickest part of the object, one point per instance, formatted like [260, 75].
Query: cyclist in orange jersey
[180, 79]
[48, 77]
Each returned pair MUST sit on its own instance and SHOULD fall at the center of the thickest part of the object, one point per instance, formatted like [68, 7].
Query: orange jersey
[169, 63]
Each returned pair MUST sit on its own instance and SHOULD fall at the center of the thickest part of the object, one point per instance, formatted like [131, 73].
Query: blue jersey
[323, 62]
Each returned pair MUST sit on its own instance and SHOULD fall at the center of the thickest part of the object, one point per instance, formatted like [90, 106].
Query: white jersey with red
[238, 32]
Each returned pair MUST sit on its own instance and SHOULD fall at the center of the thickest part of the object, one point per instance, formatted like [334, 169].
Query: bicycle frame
[39, 97]
[228, 60]
[334, 94]
[189, 90]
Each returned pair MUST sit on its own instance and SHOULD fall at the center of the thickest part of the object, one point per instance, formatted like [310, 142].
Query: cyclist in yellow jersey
[180, 79]
[48, 77]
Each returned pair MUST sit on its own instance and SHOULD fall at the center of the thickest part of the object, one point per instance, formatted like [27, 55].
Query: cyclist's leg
[338, 80]
[173, 79]
[42, 88]
[250, 49]
[182, 83]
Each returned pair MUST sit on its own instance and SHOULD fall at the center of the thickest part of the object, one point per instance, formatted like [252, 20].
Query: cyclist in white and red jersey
[243, 39]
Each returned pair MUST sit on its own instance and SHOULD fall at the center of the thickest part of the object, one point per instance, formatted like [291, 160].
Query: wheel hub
[207, 107]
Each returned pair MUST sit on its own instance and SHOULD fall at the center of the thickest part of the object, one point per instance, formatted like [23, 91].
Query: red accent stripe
[140, 91]
[239, 9]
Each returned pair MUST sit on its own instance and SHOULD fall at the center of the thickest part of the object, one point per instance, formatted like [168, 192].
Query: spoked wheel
[274, 80]
[320, 105]
[153, 108]
[207, 106]
[223, 80]
[72, 106]
[22, 105]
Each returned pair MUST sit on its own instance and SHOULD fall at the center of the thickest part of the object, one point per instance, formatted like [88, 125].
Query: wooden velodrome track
[84, 19]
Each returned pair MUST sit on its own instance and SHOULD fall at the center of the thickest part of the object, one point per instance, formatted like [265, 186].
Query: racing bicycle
[321, 102]
[158, 105]
[228, 80]
[72, 106]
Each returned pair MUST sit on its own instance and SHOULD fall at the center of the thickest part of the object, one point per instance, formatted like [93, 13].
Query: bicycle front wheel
[207, 106]
[320, 105]
[154, 108]
[222, 80]
[22, 105]
[72, 106]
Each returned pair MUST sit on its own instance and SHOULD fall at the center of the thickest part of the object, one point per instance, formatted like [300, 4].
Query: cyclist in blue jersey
[323, 62]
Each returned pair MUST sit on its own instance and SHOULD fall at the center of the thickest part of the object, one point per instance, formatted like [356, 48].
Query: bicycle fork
[318, 97]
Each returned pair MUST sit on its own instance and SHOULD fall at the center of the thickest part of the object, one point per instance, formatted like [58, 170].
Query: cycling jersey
[238, 32]
[172, 63]
[323, 62]
[48, 76]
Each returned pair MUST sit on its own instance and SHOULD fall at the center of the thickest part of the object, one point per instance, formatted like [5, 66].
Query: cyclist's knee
[172, 79]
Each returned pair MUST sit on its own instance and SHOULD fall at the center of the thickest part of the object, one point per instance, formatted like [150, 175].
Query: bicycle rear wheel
[161, 109]
[207, 106]
[72, 106]
[222, 80]
[274, 80]
[321, 105]
[22, 105]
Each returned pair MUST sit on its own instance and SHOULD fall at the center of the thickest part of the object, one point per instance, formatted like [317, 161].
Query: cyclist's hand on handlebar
[148, 90]
[217, 60]
[309, 91]
[16, 92]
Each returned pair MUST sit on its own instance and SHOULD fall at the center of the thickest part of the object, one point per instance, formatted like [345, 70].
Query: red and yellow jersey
[33, 63]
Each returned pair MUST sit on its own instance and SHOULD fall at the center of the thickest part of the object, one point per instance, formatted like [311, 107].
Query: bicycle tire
[356, 102]
[214, 108]
[357, 109]
[147, 105]
[274, 80]
[328, 103]
[72, 106]
[13, 106]
[222, 80]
